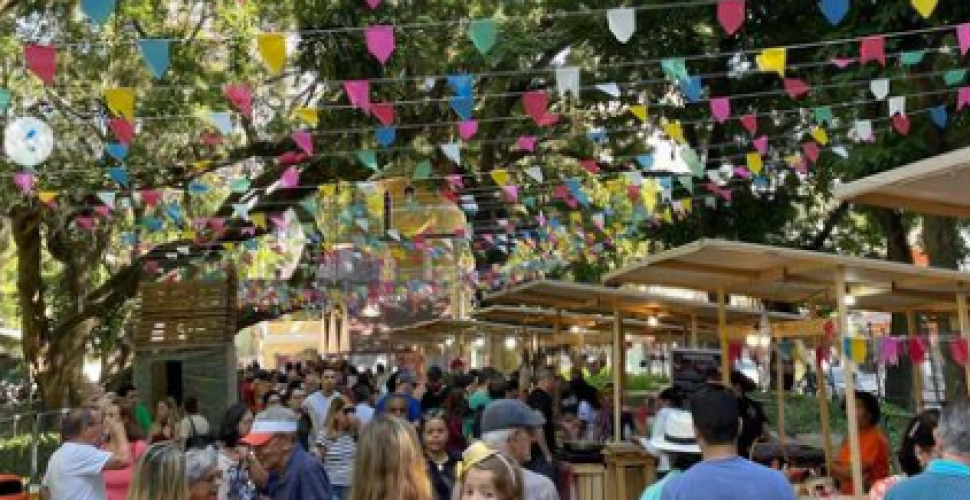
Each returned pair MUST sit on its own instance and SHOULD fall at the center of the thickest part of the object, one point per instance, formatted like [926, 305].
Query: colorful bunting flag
[483, 33]
[272, 49]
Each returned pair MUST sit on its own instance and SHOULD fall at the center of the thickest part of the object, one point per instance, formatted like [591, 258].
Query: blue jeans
[340, 492]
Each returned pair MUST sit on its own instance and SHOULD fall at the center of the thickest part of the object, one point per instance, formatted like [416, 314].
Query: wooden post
[693, 331]
[917, 368]
[848, 371]
[618, 348]
[964, 326]
[722, 332]
[823, 400]
[780, 378]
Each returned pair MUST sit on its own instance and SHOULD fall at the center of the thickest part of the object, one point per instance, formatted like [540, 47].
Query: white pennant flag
[897, 105]
[394, 234]
[863, 130]
[567, 81]
[453, 151]
[880, 88]
[623, 23]
[535, 173]
[611, 89]
[108, 198]
[841, 151]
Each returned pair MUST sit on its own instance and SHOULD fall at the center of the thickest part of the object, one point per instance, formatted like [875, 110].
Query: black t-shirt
[432, 400]
[443, 476]
[753, 420]
[541, 401]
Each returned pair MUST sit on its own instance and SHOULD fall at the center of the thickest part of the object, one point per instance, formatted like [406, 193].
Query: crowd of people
[326, 431]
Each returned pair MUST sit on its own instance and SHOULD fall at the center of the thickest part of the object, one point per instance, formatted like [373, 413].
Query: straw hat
[678, 436]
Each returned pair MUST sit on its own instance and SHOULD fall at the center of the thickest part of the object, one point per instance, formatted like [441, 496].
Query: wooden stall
[803, 277]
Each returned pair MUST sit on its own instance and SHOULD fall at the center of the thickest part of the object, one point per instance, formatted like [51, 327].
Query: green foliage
[15, 453]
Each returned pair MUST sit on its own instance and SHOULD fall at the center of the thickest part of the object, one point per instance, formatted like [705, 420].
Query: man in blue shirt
[723, 475]
[294, 474]
[404, 384]
[949, 477]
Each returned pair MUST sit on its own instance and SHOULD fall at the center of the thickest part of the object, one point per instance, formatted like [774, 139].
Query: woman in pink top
[116, 481]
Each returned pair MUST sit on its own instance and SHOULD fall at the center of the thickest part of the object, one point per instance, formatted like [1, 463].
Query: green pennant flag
[686, 181]
[675, 69]
[823, 115]
[912, 57]
[4, 99]
[954, 77]
[693, 161]
[422, 171]
[368, 158]
[483, 33]
[239, 185]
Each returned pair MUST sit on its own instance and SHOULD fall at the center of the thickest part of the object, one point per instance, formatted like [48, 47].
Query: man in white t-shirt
[318, 403]
[74, 471]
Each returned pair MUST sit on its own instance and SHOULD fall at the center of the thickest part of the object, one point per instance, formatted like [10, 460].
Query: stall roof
[447, 327]
[935, 186]
[582, 297]
[797, 276]
[533, 318]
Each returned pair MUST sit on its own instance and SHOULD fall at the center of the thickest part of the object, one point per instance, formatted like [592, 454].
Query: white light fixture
[371, 311]
[850, 300]
[575, 329]
[479, 343]
[510, 343]
[752, 341]
[449, 341]
[765, 341]
[653, 322]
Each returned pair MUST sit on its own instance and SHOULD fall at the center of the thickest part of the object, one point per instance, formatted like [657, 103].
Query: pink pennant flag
[149, 197]
[761, 144]
[279, 221]
[304, 140]
[86, 222]
[455, 181]
[103, 210]
[730, 13]
[358, 92]
[561, 192]
[963, 98]
[917, 350]
[241, 96]
[633, 192]
[290, 178]
[123, 129]
[888, 351]
[372, 3]
[291, 158]
[467, 129]
[721, 108]
[811, 150]
[963, 38]
[742, 172]
[843, 62]
[572, 203]
[527, 143]
[536, 104]
[750, 123]
[901, 123]
[872, 48]
[960, 351]
[380, 41]
[41, 61]
[210, 138]
[796, 87]
[24, 181]
[384, 112]
[590, 166]
[511, 193]
[799, 164]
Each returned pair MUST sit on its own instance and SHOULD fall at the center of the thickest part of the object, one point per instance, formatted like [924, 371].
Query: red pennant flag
[960, 350]
[901, 123]
[811, 151]
[796, 87]
[41, 61]
[750, 123]
[384, 112]
[734, 351]
[917, 350]
[730, 13]
[123, 129]
[872, 48]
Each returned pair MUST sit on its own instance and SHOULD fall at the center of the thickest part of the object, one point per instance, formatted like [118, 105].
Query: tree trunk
[899, 378]
[944, 248]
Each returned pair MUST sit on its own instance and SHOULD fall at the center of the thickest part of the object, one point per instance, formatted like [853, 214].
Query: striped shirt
[338, 460]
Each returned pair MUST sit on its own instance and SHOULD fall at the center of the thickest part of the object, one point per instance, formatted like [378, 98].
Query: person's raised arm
[121, 457]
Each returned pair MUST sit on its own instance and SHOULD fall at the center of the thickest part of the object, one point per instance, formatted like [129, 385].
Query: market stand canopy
[935, 186]
[797, 276]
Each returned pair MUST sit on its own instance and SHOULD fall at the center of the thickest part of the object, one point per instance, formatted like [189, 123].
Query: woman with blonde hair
[338, 445]
[166, 424]
[390, 464]
[160, 474]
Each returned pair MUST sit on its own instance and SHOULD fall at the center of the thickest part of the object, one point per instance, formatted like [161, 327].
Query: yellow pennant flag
[121, 102]
[667, 216]
[46, 197]
[189, 234]
[649, 191]
[501, 177]
[576, 218]
[773, 60]
[675, 131]
[640, 111]
[201, 166]
[858, 350]
[259, 220]
[309, 115]
[820, 135]
[755, 163]
[925, 7]
[272, 48]
[328, 190]
[687, 204]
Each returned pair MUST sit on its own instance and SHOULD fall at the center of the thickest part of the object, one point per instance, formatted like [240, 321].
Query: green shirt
[143, 417]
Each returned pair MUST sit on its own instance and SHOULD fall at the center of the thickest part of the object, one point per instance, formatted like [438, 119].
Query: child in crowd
[441, 464]
[488, 474]
[338, 443]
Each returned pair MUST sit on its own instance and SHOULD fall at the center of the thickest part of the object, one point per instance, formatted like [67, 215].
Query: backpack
[196, 440]
[477, 421]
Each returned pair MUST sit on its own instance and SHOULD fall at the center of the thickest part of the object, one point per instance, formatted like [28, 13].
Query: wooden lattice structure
[186, 314]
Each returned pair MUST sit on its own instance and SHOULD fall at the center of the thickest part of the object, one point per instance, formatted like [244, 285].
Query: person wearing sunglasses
[338, 444]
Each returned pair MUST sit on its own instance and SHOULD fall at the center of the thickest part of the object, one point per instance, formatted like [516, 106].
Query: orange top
[874, 448]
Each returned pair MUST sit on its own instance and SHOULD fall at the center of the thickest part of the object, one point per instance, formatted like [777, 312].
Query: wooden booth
[810, 279]
[184, 344]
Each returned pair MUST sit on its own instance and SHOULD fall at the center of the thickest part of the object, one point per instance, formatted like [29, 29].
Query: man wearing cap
[510, 426]
[436, 392]
[294, 473]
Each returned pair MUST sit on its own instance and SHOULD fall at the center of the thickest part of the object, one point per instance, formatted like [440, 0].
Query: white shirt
[74, 472]
[317, 406]
[201, 426]
[365, 413]
[656, 432]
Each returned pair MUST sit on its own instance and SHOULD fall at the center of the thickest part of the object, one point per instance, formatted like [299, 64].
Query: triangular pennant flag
[872, 48]
[535, 173]
[567, 81]
[645, 161]
[963, 97]
[149, 197]
[290, 178]
[358, 92]
[939, 116]
[368, 158]
[422, 170]
[754, 163]
[902, 124]
[272, 49]
[912, 57]
[310, 116]
[863, 131]
[222, 120]
[463, 106]
[511, 193]
[116, 150]
[452, 151]
[963, 38]
[879, 88]
[380, 41]
[467, 129]
[674, 68]
[675, 131]
[241, 210]
[156, 55]
[761, 144]
[812, 151]
[954, 77]
[611, 89]
[730, 14]
[622, 23]
[384, 112]
[820, 135]
[750, 123]
[835, 10]
[721, 108]
[241, 96]
[24, 181]
[108, 198]
[41, 60]
[47, 197]
[773, 60]
[121, 102]
[500, 176]
[824, 116]
[119, 175]
[925, 7]
[385, 136]
[640, 111]
[527, 143]
[796, 87]
[692, 88]
[483, 34]
[123, 129]
[897, 105]
[304, 140]
[98, 10]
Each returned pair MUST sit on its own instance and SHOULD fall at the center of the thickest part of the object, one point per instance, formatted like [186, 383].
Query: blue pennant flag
[464, 106]
[938, 115]
[645, 161]
[174, 212]
[117, 150]
[152, 224]
[597, 135]
[835, 10]
[119, 175]
[385, 136]
[462, 85]
[197, 188]
[157, 55]
[98, 10]
[692, 88]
